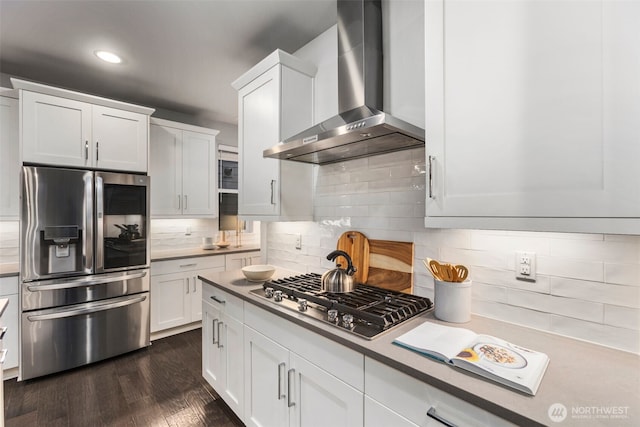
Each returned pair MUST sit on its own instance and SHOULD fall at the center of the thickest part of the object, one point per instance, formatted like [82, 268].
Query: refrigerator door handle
[99, 234]
[51, 285]
[87, 309]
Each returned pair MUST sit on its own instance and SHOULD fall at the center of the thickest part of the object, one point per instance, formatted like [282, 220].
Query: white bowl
[258, 273]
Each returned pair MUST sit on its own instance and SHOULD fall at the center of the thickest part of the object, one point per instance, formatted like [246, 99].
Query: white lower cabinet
[223, 346]
[176, 291]
[294, 377]
[378, 415]
[242, 259]
[10, 319]
[406, 399]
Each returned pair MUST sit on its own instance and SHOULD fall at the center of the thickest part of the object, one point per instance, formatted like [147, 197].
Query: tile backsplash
[166, 234]
[587, 287]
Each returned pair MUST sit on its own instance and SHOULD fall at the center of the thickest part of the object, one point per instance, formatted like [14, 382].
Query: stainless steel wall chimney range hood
[361, 128]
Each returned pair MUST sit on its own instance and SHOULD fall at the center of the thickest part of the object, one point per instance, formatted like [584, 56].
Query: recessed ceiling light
[108, 56]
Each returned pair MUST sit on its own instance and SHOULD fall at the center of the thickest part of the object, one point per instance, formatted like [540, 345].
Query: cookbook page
[438, 341]
[519, 367]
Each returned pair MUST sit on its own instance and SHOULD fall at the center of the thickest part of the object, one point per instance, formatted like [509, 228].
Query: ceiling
[178, 55]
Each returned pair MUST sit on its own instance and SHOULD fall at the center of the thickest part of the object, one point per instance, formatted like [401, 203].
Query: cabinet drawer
[8, 285]
[412, 399]
[232, 305]
[186, 264]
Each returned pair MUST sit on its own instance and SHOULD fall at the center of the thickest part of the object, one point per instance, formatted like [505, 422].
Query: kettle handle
[335, 254]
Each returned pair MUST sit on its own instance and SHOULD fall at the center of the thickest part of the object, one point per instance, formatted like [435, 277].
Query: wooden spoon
[448, 273]
[461, 273]
[432, 266]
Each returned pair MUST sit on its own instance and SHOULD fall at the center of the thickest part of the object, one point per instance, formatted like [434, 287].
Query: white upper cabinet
[9, 158]
[275, 101]
[182, 169]
[64, 128]
[532, 115]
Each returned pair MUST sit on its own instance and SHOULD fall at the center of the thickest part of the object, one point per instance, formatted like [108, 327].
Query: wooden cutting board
[356, 245]
[391, 265]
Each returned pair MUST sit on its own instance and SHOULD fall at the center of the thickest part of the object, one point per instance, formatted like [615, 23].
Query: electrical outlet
[298, 241]
[526, 266]
[187, 231]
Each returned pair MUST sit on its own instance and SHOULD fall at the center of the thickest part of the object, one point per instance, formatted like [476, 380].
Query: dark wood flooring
[161, 385]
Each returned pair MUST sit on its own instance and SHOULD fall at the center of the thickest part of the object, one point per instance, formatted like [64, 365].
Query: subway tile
[370, 199]
[508, 313]
[611, 336]
[454, 238]
[588, 250]
[628, 296]
[352, 210]
[397, 210]
[472, 258]
[622, 274]
[404, 224]
[486, 292]
[334, 179]
[368, 175]
[571, 268]
[623, 317]
[570, 307]
[507, 278]
[509, 244]
[406, 197]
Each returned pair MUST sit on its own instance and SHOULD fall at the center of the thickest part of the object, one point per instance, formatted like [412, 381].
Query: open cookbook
[488, 356]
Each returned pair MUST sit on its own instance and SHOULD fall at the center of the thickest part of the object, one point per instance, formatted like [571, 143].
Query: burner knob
[332, 315]
[277, 296]
[347, 321]
[302, 304]
[268, 292]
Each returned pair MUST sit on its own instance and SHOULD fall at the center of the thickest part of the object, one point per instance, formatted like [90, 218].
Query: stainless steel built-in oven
[84, 267]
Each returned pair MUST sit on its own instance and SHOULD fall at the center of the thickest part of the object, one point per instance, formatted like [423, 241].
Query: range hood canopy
[361, 128]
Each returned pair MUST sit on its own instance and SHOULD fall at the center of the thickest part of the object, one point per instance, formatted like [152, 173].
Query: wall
[587, 287]
[167, 234]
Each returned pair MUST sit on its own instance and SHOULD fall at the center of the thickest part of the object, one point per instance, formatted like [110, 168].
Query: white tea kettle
[339, 280]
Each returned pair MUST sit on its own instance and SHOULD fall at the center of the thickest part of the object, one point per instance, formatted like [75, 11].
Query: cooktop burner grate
[369, 310]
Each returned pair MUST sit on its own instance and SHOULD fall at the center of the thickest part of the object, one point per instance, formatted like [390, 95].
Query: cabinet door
[120, 138]
[212, 359]
[258, 129]
[239, 260]
[232, 340]
[265, 388]
[56, 131]
[170, 301]
[320, 399]
[532, 110]
[198, 174]
[10, 318]
[165, 170]
[9, 158]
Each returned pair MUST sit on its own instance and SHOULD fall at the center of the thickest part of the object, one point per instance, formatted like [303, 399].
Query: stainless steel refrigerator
[84, 239]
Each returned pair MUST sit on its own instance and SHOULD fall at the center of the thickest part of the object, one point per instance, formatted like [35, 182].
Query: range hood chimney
[360, 129]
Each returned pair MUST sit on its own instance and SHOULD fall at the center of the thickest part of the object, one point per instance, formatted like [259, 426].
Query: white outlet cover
[525, 266]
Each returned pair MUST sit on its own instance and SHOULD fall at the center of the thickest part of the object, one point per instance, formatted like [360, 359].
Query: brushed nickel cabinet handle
[290, 380]
[431, 166]
[281, 367]
[213, 331]
[86, 150]
[273, 192]
[220, 335]
[97, 150]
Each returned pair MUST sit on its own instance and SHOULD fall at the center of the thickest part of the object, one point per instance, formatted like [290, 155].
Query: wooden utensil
[356, 245]
[461, 273]
[432, 266]
[391, 265]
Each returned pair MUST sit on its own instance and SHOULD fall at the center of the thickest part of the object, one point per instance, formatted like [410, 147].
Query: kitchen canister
[452, 301]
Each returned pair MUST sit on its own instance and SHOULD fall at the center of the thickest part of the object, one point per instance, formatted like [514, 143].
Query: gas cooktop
[367, 311]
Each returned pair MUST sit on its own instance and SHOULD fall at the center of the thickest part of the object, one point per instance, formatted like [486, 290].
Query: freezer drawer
[76, 290]
[62, 338]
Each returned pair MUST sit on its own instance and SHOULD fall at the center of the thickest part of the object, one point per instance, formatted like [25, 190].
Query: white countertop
[580, 375]
[167, 254]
